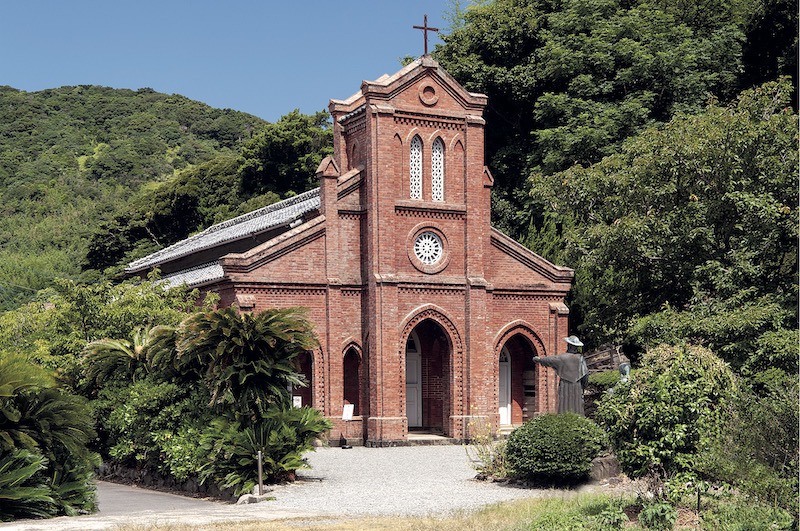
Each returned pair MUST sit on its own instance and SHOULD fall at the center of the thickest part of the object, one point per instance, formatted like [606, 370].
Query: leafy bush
[22, 493]
[659, 516]
[282, 436]
[139, 424]
[605, 379]
[554, 448]
[757, 451]
[45, 464]
[669, 411]
[487, 454]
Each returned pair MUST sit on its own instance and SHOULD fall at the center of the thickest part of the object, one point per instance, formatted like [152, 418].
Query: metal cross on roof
[425, 28]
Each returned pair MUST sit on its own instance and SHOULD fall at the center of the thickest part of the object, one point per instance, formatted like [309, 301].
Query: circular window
[428, 248]
[427, 94]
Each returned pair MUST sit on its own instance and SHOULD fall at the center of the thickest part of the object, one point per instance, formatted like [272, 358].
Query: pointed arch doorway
[516, 382]
[427, 378]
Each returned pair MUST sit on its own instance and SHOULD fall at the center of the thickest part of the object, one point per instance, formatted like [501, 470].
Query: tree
[568, 81]
[283, 157]
[695, 222]
[247, 360]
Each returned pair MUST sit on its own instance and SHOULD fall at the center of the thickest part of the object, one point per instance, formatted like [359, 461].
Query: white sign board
[297, 401]
[347, 412]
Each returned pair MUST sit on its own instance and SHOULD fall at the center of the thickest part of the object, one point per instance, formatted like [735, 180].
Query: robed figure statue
[573, 376]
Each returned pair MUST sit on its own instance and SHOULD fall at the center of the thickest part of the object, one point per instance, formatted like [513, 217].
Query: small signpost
[347, 416]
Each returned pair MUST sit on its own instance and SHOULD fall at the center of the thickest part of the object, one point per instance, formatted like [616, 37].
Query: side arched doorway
[303, 396]
[516, 387]
[428, 353]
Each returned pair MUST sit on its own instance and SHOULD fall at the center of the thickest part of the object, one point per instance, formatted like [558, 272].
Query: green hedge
[554, 448]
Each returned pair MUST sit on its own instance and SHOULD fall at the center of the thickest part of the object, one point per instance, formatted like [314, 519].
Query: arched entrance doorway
[303, 396]
[516, 382]
[427, 377]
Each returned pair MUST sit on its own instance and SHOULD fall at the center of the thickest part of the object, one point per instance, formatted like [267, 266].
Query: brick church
[427, 317]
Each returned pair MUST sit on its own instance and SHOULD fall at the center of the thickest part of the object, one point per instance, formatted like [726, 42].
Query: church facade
[427, 317]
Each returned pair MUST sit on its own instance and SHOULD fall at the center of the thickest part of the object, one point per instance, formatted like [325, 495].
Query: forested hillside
[71, 156]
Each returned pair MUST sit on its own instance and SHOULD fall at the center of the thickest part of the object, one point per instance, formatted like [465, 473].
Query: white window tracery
[437, 170]
[428, 248]
[415, 168]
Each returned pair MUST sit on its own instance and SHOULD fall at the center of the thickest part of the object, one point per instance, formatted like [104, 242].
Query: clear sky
[263, 57]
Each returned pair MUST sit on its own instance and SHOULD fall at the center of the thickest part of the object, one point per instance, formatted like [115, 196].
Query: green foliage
[554, 448]
[54, 330]
[568, 81]
[153, 399]
[696, 219]
[283, 157]
[757, 451]
[45, 464]
[247, 360]
[605, 379]
[736, 513]
[487, 454]
[22, 494]
[69, 156]
[658, 516]
[283, 435]
[572, 513]
[668, 413]
[145, 424]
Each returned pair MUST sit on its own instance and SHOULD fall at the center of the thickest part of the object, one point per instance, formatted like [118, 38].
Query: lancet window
[415, 167]
[437, 170]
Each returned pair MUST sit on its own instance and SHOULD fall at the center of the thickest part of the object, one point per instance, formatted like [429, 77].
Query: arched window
[415, 168]
[437, 170]
[352, 383]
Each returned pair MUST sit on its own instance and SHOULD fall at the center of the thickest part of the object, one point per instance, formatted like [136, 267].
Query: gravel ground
[416, 480]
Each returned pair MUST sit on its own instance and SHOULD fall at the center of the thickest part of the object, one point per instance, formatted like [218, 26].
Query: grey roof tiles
[237, 228]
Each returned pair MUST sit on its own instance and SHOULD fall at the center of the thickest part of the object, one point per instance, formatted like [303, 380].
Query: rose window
[428, 248]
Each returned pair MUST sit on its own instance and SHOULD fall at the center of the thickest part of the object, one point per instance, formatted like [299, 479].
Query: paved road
[421, 480]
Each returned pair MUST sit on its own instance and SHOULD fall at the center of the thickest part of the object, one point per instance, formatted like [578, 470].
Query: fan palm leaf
[247, 359]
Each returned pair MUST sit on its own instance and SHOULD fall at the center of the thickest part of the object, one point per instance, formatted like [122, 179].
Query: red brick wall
[364, 289]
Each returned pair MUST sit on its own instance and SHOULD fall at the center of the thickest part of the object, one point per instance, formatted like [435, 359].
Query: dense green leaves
[554, 448]
[283, 157]
[282, 435]
[699, 215]
[568, 81]
[247, 359]
[669, 412]
[45, 463]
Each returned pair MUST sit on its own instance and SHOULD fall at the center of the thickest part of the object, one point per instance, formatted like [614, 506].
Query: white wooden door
[505, 388]
[413, 384]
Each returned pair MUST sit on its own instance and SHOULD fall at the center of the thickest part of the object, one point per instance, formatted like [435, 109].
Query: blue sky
[263, 57]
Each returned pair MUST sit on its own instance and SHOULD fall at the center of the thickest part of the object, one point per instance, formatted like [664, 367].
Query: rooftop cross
[425, 28]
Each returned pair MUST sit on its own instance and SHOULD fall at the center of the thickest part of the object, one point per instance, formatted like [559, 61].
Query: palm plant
[45, 465]
[22, 494]
[283, 435]
[121, 358]
[247, 360]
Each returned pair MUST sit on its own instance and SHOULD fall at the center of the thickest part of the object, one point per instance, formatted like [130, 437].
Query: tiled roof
[234, 229]
[195, 276]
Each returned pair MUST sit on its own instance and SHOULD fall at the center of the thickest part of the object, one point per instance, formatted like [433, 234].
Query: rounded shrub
[554, 448]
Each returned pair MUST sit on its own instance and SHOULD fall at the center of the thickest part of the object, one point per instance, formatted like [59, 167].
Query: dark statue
[573, 376]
